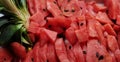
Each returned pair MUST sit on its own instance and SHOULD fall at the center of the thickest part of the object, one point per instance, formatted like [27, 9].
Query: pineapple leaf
[8, 32]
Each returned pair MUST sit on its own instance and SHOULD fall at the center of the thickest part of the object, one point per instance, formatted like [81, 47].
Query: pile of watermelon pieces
[69, 31]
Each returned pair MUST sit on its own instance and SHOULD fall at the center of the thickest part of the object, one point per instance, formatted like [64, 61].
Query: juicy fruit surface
[69, 31]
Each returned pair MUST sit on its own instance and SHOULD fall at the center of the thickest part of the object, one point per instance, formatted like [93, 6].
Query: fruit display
[59, 31]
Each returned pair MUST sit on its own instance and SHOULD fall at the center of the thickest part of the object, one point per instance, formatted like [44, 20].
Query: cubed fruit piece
[82, 32]
[41, 7]
[90, 14]
[117, 55]
[118, 20]
[70, 52]
[5, 55]
[112, 43]
[46, 35]
[82, 6]
[31, 4]
[57, 29]
[62, 2]
[116, 28]
[61, 50]
[99, 7]
[35, 52]
[110, 30]
[113, 57]
[82, 24]
[99, 29]
[33, 27]
[38, 18]
[18, 49]
[91, 51]
[70, 35]
[51, 54]
[118, 39]
[97, 52]
[74, 25]
[91, 28]
[71, 56]
[53, 8]
[113, 8]
[59, 21]
[103, 18]
[29, 56]
[71, 9]
[51, 34]
[78, 53]
[43, 53]
[82, 35]
[39, 52]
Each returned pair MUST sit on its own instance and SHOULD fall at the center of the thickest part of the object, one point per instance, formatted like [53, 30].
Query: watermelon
[5, 55]
[60, 31]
